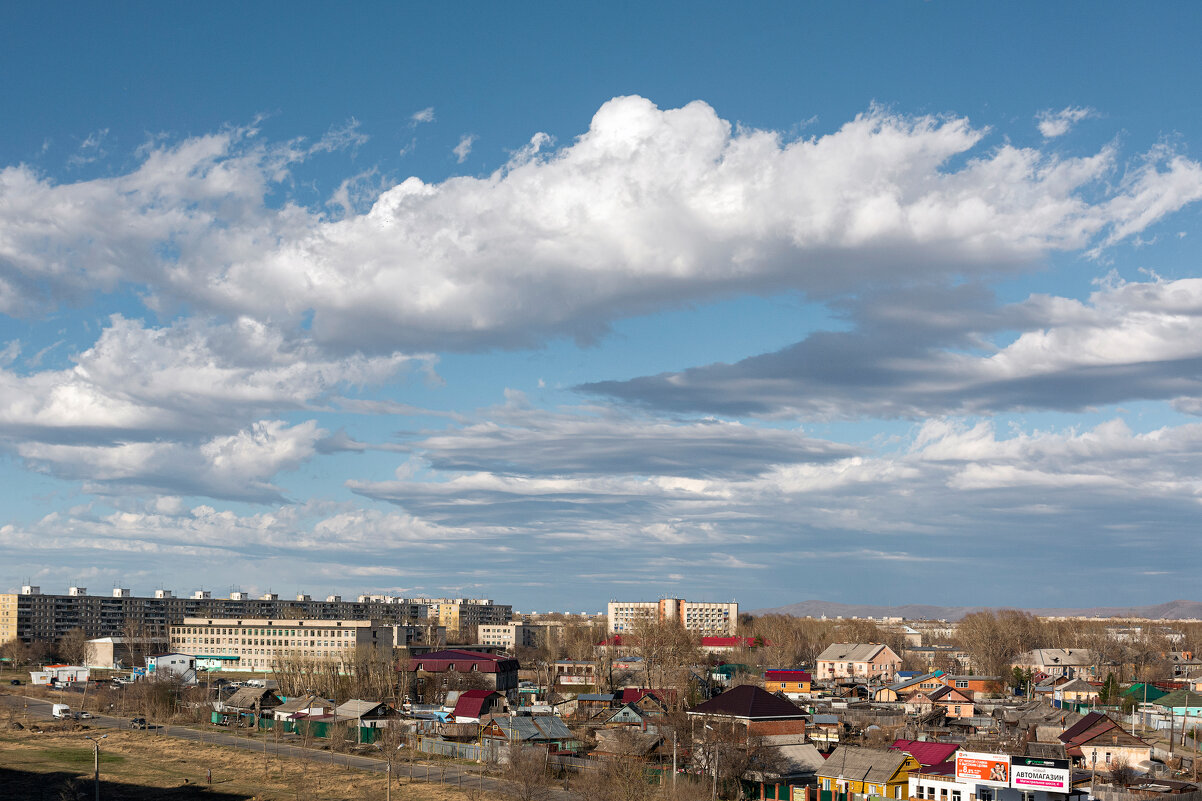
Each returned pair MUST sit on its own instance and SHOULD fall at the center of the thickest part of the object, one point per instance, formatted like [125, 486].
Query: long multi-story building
[257, 645]
[513, 634]
[466, 615]
[32, 616]
[711, 617]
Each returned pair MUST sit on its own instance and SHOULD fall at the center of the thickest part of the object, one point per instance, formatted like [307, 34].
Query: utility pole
[96, 762]
[673, 761]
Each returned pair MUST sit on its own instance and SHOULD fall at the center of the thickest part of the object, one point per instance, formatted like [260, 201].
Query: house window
[962, 684]
[955, 795]
[984, 794]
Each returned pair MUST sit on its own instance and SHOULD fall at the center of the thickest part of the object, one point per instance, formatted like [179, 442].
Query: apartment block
[711, 617]
[467, 614]
[514, 635]
[31, 615]
[257, 645]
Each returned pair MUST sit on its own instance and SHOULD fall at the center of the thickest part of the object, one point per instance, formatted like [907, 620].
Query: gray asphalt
[446, 773]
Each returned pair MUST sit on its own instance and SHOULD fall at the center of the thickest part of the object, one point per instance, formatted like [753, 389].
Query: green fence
[315, 729]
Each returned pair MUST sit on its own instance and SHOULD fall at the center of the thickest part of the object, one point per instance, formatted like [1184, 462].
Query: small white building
[173, 665]
[59, 674]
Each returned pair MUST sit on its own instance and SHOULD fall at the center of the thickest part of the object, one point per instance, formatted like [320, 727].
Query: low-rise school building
[257, 645]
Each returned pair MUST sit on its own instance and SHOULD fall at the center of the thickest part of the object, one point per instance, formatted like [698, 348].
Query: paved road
[448, 773]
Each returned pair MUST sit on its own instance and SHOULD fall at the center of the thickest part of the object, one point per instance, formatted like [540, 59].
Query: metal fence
[480, 753]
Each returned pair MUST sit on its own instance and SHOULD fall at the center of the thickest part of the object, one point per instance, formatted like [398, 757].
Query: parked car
[138, 723]
[15, 682]
[83, 715]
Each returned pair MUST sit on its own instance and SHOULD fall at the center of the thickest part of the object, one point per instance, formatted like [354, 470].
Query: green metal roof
[1137, 690]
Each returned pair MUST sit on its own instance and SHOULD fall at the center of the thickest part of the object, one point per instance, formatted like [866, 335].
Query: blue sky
[866, 302]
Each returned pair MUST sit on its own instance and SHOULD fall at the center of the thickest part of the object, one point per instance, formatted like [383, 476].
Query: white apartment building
[709, 617]
[255, 645]
[513, 635]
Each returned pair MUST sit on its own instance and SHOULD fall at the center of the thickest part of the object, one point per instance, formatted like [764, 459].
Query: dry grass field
[55, 764]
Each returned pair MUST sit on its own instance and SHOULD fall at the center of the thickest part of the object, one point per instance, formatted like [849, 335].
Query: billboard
[991, 770]
[1033, 773]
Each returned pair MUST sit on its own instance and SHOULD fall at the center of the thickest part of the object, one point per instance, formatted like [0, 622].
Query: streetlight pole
[96, 762]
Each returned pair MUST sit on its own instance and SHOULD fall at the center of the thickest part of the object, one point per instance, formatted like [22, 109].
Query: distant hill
[1173, 610]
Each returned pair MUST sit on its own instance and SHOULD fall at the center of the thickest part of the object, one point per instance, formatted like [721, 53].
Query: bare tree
[993, 639]
[526, 771]
[138, 639]
[1121, 772]
[72, 647]
[16, 651]
[668, 652]
[622, 780]
[723, 749]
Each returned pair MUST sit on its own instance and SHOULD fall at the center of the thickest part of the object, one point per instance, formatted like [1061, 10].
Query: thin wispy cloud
[1057, 123]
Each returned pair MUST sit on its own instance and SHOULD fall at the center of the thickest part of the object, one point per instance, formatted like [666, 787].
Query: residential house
[473, 705]
[974, 686]
[750, 712]
[251, 701]
[1097, 739]
[825, 729]
[1072, 662]
[627, 743]
[366, 714]
[625, 715]
[521, 730]
[872, 661]
[955, 703]
[648, 700]
[793, 683]
[867, 771]
[496, 672]
[903, 688]
[1074, 692]
[589, 703]
[303, 706]
[1181, 702]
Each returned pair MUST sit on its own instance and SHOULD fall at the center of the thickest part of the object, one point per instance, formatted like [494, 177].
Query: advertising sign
[991, 770]
[1033, 773]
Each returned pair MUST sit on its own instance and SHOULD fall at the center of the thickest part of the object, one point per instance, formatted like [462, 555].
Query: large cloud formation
[930, 352]
[648, 208]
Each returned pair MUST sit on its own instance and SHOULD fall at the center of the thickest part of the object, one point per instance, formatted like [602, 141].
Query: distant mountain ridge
[1172, 610]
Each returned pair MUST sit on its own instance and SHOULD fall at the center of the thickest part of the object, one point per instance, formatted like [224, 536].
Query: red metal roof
[440, 661]
[471, 703]
[927, 754]
[728, 642]
[786, 675]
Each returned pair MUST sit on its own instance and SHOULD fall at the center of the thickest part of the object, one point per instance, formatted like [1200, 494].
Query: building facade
[855, 660]
[514, 635]
[466, 615]
[33, 616]
[247, 644]
[711, 617]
